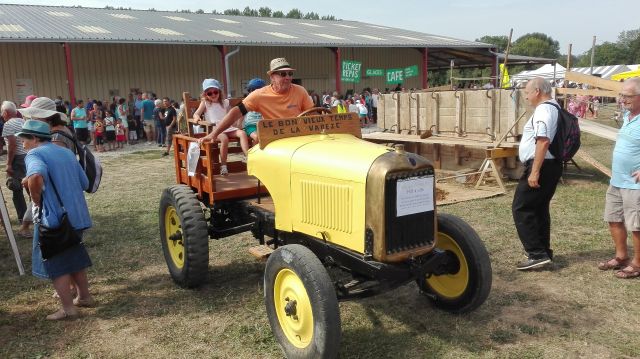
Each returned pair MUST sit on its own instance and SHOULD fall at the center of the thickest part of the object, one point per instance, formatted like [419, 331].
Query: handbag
[53, 241]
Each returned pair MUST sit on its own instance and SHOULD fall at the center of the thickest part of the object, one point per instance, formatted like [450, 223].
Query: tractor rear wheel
[184, 236]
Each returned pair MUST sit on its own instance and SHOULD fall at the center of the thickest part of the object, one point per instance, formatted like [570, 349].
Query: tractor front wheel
[301, 304]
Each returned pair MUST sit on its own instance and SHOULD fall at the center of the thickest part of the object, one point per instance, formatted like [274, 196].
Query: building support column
[223, 53]
[70, 82]
[425, 67]
[338, 58]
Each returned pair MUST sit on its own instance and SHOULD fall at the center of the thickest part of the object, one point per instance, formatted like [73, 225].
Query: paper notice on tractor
[414, 195]
[193, 155]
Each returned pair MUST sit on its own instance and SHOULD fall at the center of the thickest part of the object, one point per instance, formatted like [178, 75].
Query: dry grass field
[571, 310]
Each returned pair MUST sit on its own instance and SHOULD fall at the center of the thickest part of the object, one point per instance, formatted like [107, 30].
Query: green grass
[573, 310]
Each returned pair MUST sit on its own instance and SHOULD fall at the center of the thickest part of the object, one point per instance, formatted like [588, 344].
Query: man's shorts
[82, 134]
[149, 125]
[623, 205]
[170, 132]
[250, 129]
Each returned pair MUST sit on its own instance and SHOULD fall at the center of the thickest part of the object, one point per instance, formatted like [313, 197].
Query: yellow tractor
[338, 217]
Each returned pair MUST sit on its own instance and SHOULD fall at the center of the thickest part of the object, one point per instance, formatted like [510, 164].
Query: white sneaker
[223, 170]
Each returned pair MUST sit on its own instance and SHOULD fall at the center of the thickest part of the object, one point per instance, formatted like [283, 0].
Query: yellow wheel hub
[171, 227]
[450, 285]
[293, 308]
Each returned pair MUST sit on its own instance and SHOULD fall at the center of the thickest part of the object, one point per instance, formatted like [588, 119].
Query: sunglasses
[212, 92]
[285, 73]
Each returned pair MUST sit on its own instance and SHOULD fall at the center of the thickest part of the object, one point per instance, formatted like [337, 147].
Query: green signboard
[351, 71]
[374, 72]
[411, 71]
[395, 76]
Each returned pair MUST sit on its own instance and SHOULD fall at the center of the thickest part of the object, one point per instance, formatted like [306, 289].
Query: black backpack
[566, 142]
[89, 163]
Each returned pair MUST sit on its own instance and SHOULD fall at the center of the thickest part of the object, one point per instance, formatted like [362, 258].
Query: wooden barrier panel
[275, 129]
[593, 81]
[594, 92]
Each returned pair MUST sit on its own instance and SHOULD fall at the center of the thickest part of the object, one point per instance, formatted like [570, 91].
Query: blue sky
[567, 21]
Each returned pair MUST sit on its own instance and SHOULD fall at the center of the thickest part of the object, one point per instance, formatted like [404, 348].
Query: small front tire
[469, 287]
[301, 304]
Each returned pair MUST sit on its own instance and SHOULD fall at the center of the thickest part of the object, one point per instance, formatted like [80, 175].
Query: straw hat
[279, 64]
[42, 107]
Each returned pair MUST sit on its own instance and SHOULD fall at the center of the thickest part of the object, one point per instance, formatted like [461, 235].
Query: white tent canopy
[547, 72]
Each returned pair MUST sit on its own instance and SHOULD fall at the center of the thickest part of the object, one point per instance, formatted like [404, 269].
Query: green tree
[264, 12]
[633, 52]
[328, 17]
[249, 12]
[499, 41]
[538, 45]
[608, 53]
[626, 38]
[294, 14]
[278, 14]
[199, 11]
[311, 16]
[234, 12]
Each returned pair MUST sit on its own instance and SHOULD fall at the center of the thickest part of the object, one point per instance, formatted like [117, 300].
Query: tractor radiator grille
[327, 205]
[410, 231]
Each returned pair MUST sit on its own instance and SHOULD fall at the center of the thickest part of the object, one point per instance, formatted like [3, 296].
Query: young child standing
[252, 118]
[121, 134]
[214, 107]
[110, 131]
[98, 129]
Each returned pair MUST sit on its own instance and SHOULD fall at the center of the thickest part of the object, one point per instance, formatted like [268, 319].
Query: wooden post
[566, 103]
[593, 54]
[506, 57]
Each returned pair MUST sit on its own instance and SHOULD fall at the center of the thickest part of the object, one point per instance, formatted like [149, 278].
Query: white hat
[42, 107]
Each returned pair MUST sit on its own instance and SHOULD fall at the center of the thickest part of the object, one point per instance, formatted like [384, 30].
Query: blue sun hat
[255, 84]
[35, 128]
[211, 83]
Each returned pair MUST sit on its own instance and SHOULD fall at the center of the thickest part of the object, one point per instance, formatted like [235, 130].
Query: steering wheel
[318, 110]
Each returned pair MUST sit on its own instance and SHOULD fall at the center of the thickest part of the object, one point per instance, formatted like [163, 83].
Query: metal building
[80, 52]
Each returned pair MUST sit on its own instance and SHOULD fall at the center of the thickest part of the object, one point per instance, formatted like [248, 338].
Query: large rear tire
[469, 287]
[301, 304]
[184, 236]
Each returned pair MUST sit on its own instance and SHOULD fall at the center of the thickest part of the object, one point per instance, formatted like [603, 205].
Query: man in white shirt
[538, 183]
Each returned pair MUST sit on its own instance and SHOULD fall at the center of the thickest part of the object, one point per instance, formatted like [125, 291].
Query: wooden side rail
[207, 183]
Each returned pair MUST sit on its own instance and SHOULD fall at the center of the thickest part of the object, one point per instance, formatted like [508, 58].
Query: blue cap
[35, 128]
[255, 84]
[209, 83]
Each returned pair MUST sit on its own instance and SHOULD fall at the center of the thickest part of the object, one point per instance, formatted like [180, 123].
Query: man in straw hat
[281, 99]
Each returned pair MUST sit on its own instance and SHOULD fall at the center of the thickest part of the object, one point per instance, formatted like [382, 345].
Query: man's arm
[12, 145]
[35, 183]
[229, 119]
[542, 145]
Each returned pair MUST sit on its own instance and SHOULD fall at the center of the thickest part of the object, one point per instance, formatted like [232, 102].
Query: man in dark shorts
[171, 121]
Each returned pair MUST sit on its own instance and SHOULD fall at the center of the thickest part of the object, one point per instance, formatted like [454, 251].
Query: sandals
[613, 263]
[61, 314]
[628, 272]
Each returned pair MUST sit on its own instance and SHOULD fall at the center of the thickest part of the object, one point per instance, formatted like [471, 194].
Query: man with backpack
[530, 207]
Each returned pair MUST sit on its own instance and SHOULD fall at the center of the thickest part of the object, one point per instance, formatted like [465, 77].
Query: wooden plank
[392, 137]
[592, 161]
[593, 81]
[501, 152]
[594, 92]
[275, 129]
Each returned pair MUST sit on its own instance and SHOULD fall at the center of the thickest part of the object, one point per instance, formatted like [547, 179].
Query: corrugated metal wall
[165, 70]
[42, 64]
[168, 70]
